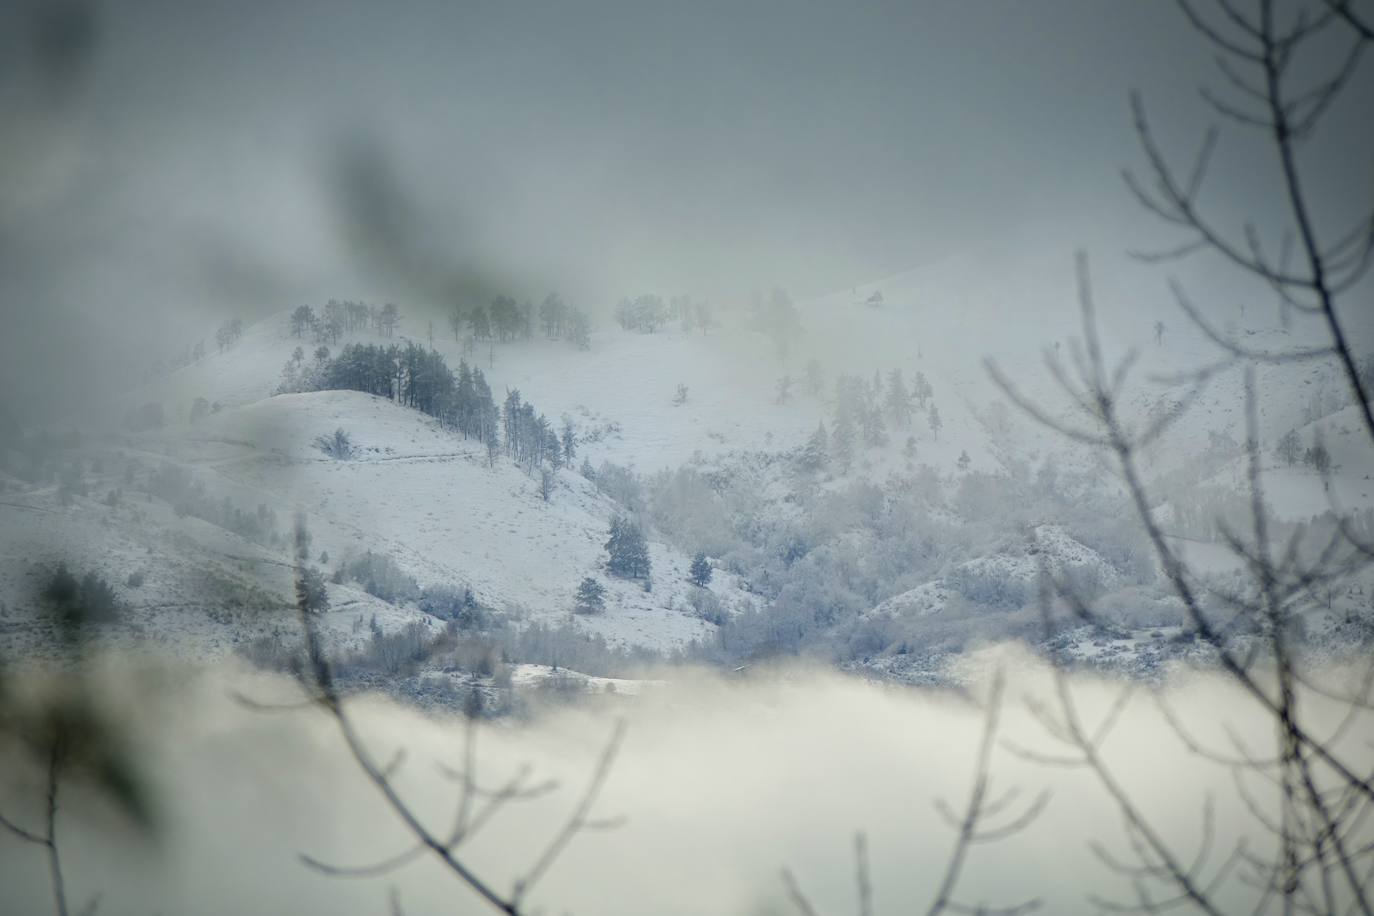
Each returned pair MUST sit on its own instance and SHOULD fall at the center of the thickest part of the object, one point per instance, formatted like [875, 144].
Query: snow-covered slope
[433, 502]
[415, 492]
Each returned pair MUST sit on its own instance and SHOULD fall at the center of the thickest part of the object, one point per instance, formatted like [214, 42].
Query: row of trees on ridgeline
[338, 318]
[647, 313]
[419, 378]
[504, 319]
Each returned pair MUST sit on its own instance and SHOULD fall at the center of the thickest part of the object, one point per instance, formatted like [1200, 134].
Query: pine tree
[898, 400]
[842, 441]
[649, 313]
[784, 390]
[590, 597]
[628, 549]
[701, 570]
[480, 323]
[553, 314]
[817, 449]
[311, 594]
[1318, 458]
[935, 421]
[875, 434]
[301, 320]
[921, 390]
[506, 318]
[553, 448]
[569, 441]
[388, 319]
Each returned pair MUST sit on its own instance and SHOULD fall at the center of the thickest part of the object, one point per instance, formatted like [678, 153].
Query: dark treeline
[336, 318]
[530, 438]
[417, 377]
[504, 319]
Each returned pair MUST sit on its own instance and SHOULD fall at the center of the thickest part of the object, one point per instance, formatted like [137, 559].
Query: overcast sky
[177, 161]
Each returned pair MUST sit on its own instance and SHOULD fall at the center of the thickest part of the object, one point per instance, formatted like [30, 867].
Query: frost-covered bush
[480, 655]
[456, 604]
[989, 585]
[817, 558]
[689, 508]
[569, 646]
[870, 636]
[620, 484]
[270, 653]
[706, 605]
[1137, 608]
[961, 627]
[393, 653]
[1119, 541]
[381, 577]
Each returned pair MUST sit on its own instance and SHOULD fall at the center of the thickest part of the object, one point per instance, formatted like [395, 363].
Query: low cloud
[722, 783]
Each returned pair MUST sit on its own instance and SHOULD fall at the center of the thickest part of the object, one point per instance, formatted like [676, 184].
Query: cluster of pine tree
[505, 319]
[531, 440]
[564, 322]
[863, 412]
[646, 313]
[336, 318]
[628, 549]
[226, 336]
[418, 377]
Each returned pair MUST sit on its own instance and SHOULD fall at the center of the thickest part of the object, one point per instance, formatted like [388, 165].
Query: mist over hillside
[680, 446]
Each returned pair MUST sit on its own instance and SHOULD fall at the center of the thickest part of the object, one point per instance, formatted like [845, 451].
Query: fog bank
[722, 782]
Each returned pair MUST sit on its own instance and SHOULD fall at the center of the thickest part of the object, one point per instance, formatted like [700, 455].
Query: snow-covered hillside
[447, 515]
[434, 503]
[414, 492]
